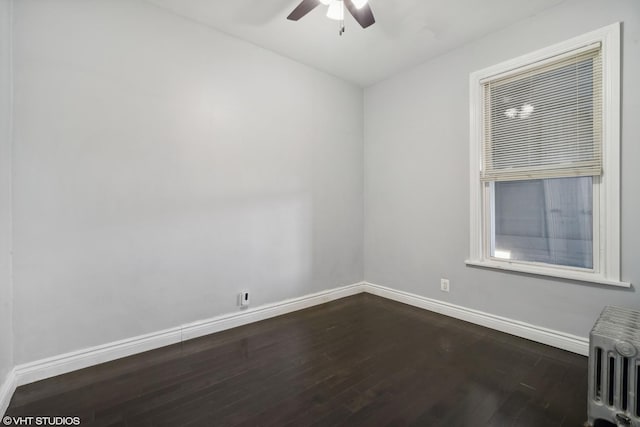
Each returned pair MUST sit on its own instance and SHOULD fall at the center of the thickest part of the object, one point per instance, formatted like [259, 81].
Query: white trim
[221, 323]
[569, 274]
[610, 216]
[475, 186]
[604, 35]
[607, 236]
[569, 53]
[57, 365]
[542, 335]
[7, 388]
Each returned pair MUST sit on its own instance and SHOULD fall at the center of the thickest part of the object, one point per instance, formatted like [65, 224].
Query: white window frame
[606, 214]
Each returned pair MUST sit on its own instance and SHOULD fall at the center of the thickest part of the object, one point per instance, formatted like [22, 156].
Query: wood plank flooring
[359, 361]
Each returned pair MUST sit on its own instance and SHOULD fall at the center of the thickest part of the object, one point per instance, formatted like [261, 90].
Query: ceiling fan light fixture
[359, 4]
[359, 9]
[336, 11]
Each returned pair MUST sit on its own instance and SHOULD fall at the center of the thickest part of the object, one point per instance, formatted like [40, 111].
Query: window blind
[545, 121]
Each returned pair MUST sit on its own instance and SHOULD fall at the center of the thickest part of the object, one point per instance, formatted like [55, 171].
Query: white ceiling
[406, 32]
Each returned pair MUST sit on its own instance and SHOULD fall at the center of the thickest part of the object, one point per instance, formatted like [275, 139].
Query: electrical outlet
[244, 298]
[444, 285]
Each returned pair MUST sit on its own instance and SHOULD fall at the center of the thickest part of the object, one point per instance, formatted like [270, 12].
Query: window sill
[551, 272]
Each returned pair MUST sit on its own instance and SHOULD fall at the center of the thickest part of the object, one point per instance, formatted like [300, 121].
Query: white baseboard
[221, 323]
[7, 388]
[57, 365]
[550, 337]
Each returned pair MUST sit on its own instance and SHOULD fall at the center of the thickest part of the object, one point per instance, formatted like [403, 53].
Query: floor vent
[614, 368]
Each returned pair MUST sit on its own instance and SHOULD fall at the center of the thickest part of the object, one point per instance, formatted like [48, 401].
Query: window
[545, 166]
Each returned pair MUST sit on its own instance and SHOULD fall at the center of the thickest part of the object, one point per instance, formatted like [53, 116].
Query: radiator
[614, 368]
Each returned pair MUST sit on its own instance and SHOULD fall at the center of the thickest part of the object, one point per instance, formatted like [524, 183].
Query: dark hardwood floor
[359, 361]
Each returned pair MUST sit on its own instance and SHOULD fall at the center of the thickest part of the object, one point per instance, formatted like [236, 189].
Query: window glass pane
[544, 220]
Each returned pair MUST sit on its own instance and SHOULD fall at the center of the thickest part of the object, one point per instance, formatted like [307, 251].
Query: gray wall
[6, 328]
[161, 167]
[417, 176]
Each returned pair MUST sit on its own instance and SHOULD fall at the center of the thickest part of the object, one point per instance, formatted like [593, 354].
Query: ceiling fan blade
[303, 8]
[364, 15]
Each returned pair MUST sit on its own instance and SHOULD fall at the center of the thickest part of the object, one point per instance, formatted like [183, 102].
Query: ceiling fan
[359, 9]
